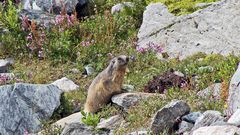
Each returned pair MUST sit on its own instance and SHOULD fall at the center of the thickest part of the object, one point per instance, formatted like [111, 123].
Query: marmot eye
[120, 59]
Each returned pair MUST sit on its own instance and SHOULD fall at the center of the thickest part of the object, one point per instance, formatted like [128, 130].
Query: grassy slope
[116, 35]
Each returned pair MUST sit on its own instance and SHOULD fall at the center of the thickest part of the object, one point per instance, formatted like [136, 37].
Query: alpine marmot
[106, 84]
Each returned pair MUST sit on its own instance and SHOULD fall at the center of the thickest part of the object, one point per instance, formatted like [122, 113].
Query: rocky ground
[172, 86]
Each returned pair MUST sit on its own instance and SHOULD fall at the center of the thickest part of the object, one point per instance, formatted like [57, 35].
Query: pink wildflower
[86, 43]
[29, 37]
[141, 50]
[26, 132]
[59, 19]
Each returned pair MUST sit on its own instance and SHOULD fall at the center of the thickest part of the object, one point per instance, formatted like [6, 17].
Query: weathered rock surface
[111, 123]
[201, 5]
[143, 132]
[221, 123]
[40, 18]
[165, 118]
[211, 30]
[235, 118]
[127, 100]
[217, 130]
[66, 84]
[4, 64]
[192, 117]
[234, 92]
[24, 106]
[128, 88]
[74, 118]
[184, 127]
[120, 7]
[208, 118]
[43, 12]
[52, 6]
[81, 129]
[213, 91]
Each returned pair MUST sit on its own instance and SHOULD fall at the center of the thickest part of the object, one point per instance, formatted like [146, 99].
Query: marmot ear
[110, 56]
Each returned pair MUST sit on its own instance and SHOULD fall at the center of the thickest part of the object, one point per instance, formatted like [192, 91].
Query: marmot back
[106, 84]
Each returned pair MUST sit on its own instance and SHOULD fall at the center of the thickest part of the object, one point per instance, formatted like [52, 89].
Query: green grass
[181, 7]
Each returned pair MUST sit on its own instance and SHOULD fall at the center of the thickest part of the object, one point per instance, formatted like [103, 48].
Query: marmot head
[119, 63]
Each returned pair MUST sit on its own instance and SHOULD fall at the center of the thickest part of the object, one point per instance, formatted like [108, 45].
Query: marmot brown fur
[106, 84]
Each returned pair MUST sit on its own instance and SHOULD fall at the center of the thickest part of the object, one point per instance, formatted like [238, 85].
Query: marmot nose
[127, 59]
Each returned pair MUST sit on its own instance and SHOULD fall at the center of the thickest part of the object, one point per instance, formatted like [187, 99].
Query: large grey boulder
[208, 118]
[211, 30]
[234, 93]
[217, 130]
[24, 106]
[166, 117]
[81, 129]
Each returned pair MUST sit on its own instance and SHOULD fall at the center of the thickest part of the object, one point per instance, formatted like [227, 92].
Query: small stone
[200, 59]
[143, 132]
[111, 123]
[65, 84]
[127, 100]
[217, 130]
[235, 118]
[184, 127]
[4, 64]
[74, 71]
[88, 70]
[81, 129]
[120, 6]
[74, 118]
[213, 91]
[127, 87]
[179, 73]
[207, 118]
[192, 117]
[165, 118]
